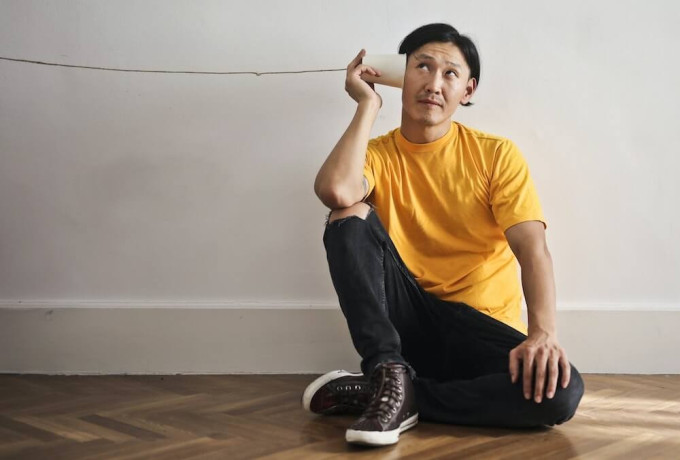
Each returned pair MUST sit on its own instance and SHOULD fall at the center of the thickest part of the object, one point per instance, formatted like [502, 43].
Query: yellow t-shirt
[446, 205]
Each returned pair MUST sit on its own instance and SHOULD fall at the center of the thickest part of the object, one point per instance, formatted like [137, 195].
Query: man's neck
[423, 134]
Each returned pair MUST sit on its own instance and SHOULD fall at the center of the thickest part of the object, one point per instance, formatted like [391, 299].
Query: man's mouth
[430, 102]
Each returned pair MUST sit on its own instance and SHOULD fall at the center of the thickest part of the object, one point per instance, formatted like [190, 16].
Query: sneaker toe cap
[367, 424]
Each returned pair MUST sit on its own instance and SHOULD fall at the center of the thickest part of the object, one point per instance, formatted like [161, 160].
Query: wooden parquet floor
[259, 416]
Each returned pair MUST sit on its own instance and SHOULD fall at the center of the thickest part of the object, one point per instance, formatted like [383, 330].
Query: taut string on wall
[197, 72]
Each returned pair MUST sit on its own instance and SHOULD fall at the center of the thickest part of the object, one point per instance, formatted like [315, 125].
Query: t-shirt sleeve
[371, 166]
[513, 194]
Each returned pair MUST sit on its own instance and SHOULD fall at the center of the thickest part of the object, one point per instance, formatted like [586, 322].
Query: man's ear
[469, 90]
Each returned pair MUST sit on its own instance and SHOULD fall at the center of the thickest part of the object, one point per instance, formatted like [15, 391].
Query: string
[201, 72]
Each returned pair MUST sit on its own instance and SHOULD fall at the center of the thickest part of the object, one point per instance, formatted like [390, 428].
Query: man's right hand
[358, 89]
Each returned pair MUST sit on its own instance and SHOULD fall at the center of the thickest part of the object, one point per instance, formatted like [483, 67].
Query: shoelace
[388, 397]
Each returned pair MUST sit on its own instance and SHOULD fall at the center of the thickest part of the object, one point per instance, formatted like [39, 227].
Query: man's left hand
[541, 357]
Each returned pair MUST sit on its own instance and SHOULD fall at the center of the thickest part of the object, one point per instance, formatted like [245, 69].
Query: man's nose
[434, 84]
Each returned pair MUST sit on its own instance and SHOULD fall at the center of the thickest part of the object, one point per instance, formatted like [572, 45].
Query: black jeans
[457, 356]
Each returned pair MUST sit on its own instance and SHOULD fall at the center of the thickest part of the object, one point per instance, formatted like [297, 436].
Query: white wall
[131, 188]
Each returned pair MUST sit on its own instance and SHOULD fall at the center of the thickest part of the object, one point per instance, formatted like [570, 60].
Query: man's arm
[340, 183]
[541, 350]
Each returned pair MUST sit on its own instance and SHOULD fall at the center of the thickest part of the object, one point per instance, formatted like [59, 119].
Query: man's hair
[443, 33]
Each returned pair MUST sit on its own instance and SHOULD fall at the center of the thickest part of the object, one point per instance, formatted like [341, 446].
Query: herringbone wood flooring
[248, 416]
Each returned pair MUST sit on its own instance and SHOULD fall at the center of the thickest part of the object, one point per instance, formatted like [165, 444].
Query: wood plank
[259, 416]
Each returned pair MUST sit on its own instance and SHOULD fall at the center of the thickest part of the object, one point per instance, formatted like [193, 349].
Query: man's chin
[430, 121]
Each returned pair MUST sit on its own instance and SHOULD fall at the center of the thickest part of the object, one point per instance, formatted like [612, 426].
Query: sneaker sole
[380, 438]
[313, 387]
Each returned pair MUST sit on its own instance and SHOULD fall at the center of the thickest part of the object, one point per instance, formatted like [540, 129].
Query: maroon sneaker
[337, 392]
[391, 411]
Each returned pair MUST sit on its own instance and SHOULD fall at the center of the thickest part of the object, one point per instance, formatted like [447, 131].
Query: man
[425, 226]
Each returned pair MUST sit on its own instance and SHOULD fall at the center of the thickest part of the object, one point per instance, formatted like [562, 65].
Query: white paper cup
[391, 67]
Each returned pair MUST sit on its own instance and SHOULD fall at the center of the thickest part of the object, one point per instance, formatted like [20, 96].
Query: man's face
[437, 79]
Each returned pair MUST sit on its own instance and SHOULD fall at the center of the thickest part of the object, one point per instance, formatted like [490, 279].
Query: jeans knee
[564, 403]
[348, 232]
[360, 209]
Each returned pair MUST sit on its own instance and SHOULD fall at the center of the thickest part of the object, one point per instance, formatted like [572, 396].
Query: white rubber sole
[319, 382]
[380, 438]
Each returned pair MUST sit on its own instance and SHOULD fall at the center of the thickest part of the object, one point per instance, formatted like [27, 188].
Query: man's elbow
[335, 197]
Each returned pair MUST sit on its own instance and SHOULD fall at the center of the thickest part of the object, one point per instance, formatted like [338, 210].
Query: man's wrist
[537, 330]
[369, 105]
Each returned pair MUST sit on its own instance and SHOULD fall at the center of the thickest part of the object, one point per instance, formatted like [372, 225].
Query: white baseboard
[64, 337]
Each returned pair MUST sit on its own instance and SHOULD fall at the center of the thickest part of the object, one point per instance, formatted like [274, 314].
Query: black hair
[443, 33]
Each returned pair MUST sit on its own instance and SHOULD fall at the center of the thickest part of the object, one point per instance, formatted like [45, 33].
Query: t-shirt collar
[433, 146]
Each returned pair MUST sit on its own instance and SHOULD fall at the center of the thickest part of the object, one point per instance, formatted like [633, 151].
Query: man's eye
[451, 73]
[421, 65]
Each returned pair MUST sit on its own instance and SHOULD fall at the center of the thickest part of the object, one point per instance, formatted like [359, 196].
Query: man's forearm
[540, 355]
[339, 182]
[538, 282]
